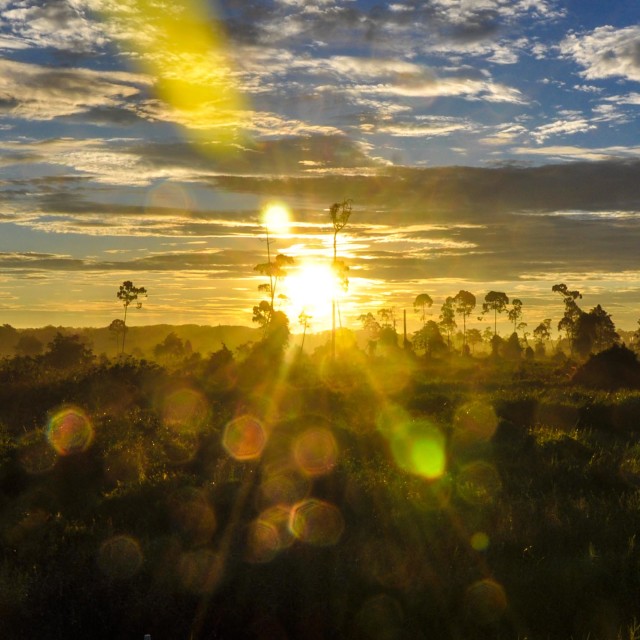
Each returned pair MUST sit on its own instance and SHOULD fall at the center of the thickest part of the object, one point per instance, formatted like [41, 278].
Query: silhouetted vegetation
[249, 492]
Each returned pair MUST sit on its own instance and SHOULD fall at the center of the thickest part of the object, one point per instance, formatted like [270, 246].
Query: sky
[484, 144]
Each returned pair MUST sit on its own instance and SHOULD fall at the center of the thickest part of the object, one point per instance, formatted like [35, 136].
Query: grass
[166, 524]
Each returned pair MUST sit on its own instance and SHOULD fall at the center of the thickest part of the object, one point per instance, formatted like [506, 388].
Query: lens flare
[419, 448]
[169, 196]
[120, 557]
[473, 423]
[480, 541]
[315, 451]
[316, 522]
[184, 55]
[200, 571]
[486, 602]
[193, 515]
[478, 483]
[268, 535]
[283, 486]
[184, 411]
[244, 438]
[380, 617]
[69, 431]
[276, 218]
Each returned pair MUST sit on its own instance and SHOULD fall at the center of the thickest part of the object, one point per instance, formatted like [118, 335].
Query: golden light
[276, 218]
[183, 51]
[311, 289]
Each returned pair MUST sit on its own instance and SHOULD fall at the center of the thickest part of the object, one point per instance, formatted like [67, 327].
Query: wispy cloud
[605, 52]
[35, 92]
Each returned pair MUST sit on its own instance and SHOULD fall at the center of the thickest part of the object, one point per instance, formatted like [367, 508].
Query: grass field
[387, 497]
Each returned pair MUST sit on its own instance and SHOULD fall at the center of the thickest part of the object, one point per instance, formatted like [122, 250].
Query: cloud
[605, 52]
[565, 126]
[57, 24]
[424, 127]
[629, 98]
[214, 263]
[568, 152]
[35, 92]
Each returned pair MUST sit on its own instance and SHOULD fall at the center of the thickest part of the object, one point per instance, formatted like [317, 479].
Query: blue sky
[487, 144]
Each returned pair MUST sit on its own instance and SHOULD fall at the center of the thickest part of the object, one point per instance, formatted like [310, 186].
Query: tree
[28, 345]
[515, 313]
[594, 332]
[474, 337]
[275, 271]
[571, 311]
[65, 352]
[117, 328]
[304, 319]
[429, 339]
[420, 305]
[465, 303]
[372, 327]
[541, 334]
[387, 317]
[512, 349]
[497, 302]
[340, 213]
[129, 294]
[8, 338]
[171, 347]
[448, 318]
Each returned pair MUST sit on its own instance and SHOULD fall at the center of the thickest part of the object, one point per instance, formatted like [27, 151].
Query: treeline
[581, 332]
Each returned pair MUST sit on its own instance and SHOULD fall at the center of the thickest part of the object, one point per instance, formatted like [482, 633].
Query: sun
[311, 289]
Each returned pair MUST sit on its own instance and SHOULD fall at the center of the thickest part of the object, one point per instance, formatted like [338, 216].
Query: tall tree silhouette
[515, 313]
[497, 302]
[571, 311]
[275, 271]
[128, 294]
[464, 304]
[448, 318]
[340, 213]
[420, 304]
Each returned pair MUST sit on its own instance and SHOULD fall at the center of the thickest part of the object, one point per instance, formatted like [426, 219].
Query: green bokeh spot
[419, 448]
[428, 456]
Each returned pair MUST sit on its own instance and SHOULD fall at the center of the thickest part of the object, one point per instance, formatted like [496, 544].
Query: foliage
[65, 352]
[128, 294]
[613, 368]
[28, 345]
[464, 303]
[171, 347]
[515, 313]
[594, 332]
[429, 340]
[448, 318]
[497, 302]
[156, 524]
[571, 311]
[420, 305]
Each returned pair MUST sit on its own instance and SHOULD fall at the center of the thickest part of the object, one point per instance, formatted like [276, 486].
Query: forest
[376, 485]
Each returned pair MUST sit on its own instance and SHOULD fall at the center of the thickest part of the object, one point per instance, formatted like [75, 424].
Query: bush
[615, 368]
